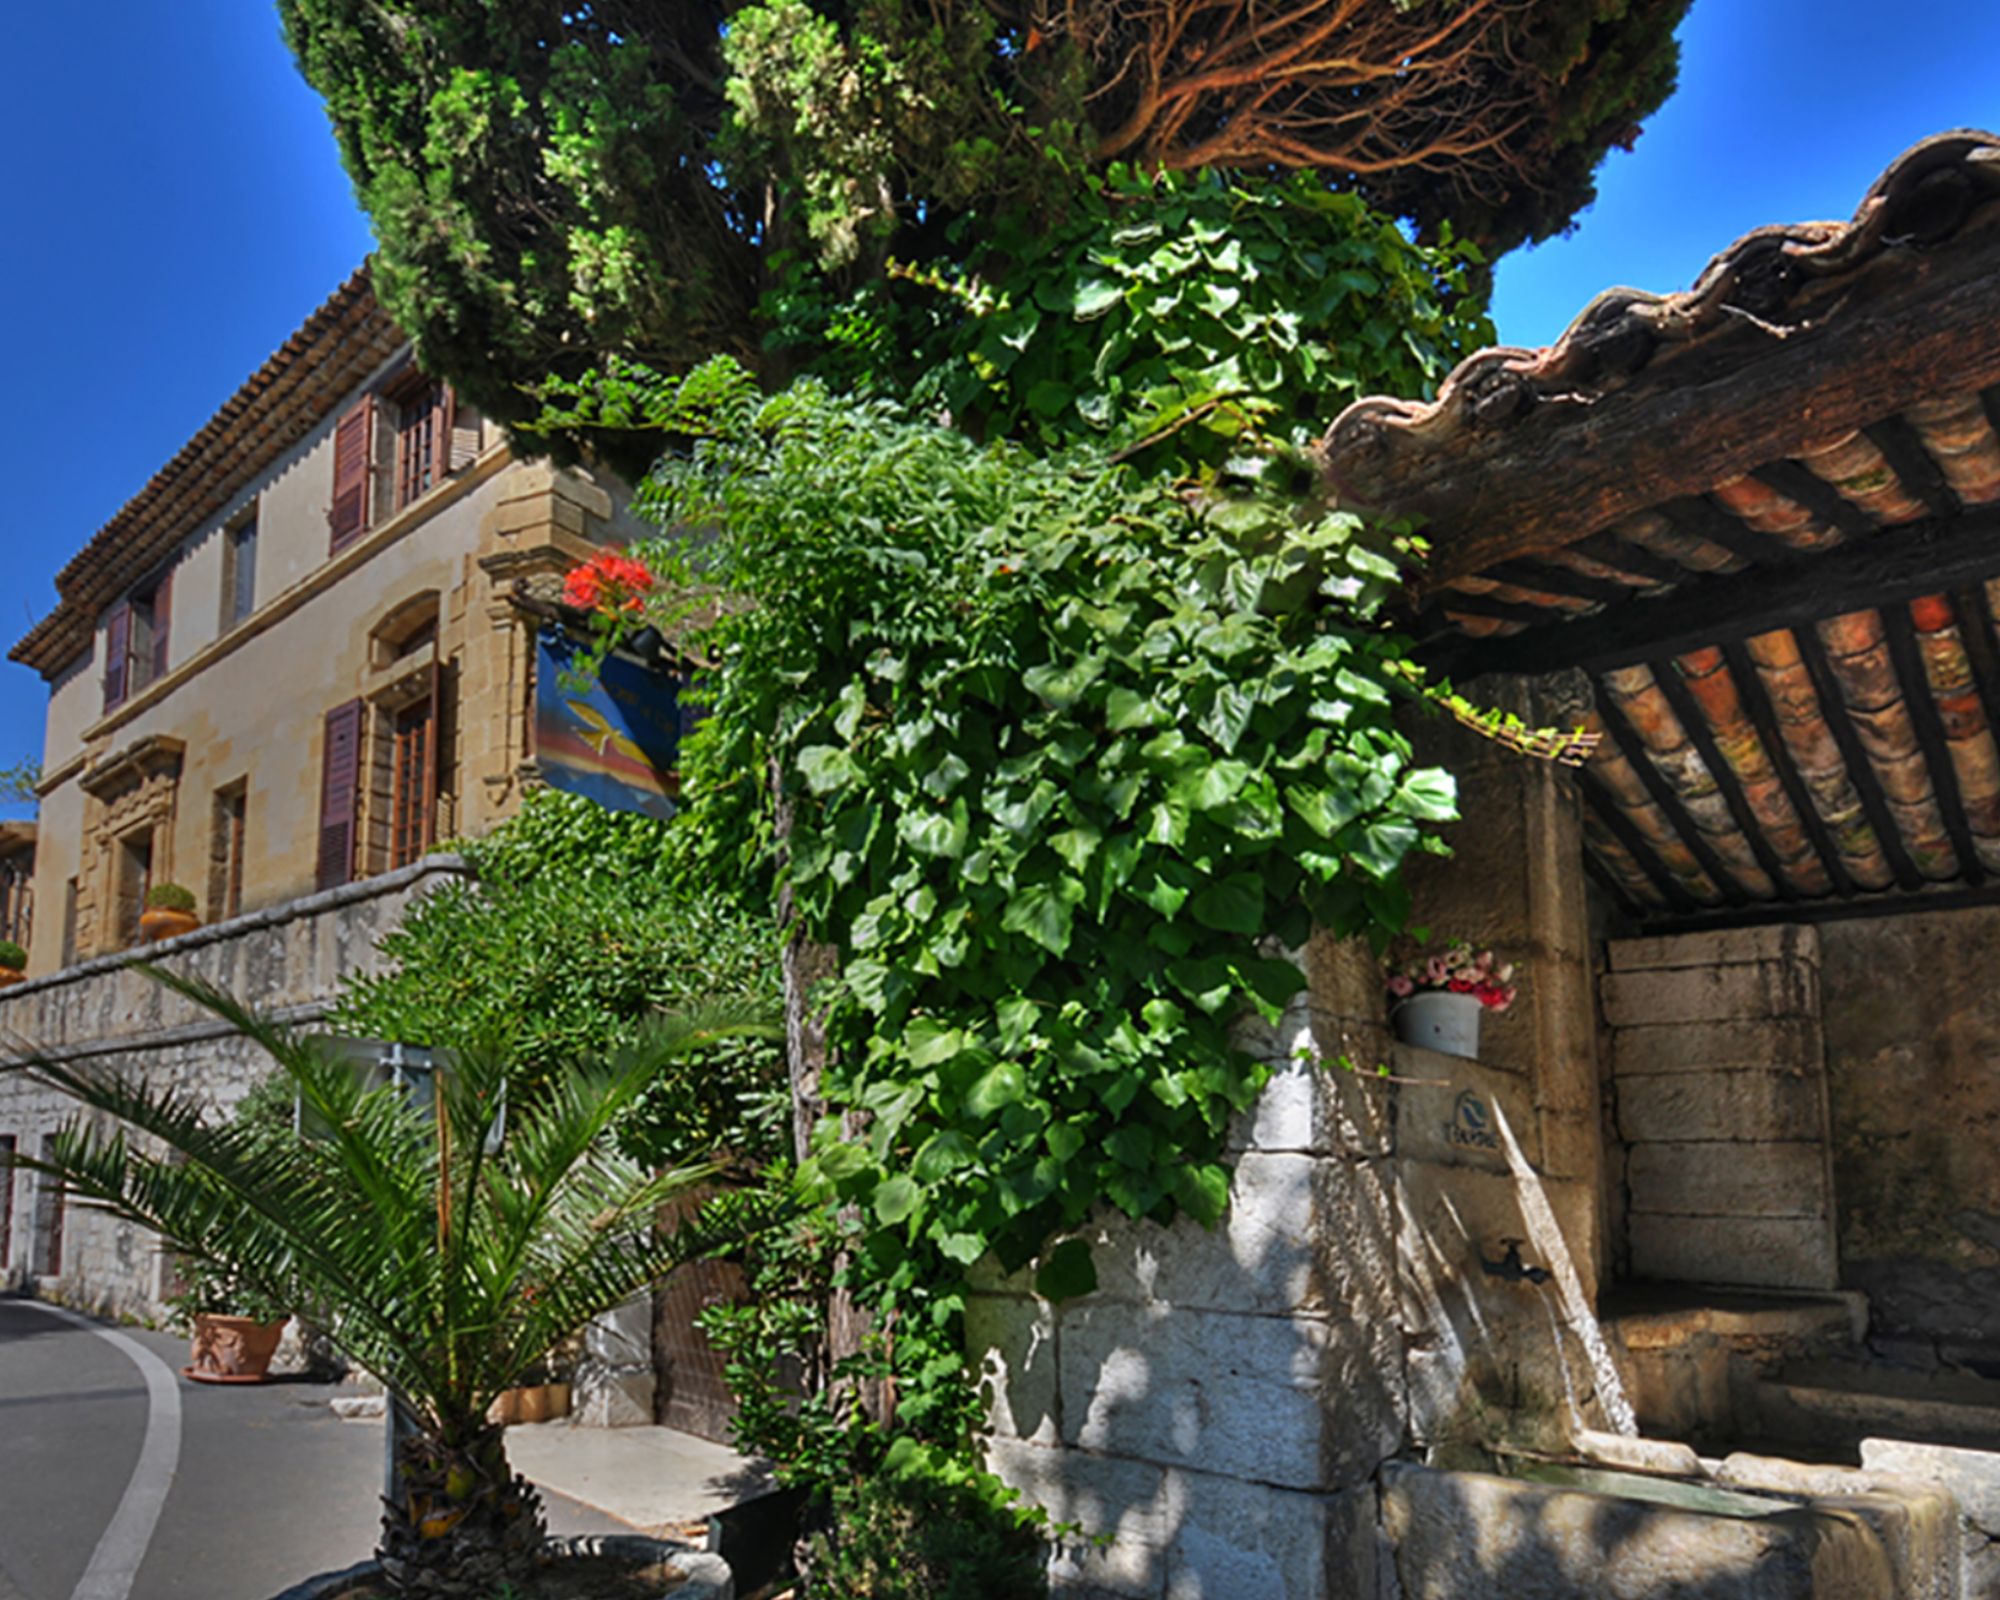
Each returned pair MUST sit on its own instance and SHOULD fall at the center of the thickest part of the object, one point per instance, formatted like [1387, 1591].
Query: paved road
[265, 1485]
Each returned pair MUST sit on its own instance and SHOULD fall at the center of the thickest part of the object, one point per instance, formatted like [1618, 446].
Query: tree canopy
[662, 180]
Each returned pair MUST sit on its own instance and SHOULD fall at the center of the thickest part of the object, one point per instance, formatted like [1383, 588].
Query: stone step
[1836, 1402]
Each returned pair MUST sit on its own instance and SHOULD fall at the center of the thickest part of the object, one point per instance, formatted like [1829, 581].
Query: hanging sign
[613, 738]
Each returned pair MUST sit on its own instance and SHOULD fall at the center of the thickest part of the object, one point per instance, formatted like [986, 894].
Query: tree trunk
[467, 1523]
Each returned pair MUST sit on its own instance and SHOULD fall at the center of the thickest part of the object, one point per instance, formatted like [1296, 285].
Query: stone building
[1690, 1285]
[279, 676]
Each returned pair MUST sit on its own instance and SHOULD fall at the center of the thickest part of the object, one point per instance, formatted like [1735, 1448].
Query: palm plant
[443, 1260]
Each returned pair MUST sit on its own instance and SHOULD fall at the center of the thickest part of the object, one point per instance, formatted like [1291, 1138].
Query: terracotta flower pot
[539, 1402]
[161, 924]
[10, 976]
[231, 1349]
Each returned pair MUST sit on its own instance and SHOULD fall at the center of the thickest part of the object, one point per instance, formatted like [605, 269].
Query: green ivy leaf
[1235, 905]
[1066, 1272]
[1045, 912]
[897, 1200]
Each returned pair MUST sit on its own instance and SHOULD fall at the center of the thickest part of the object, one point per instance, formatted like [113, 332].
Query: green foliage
[1061, 746]
[12, 955]
[1227, 322]
[554, 185]
[575, 932]
[926, 1527]
[19, 782]
[170, 897]
[439, 1265]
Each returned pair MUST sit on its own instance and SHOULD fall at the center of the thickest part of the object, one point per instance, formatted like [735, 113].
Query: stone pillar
[1220, 1405]
[1515, 881]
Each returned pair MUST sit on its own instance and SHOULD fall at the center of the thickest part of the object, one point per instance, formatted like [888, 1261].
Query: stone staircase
[1836, 1402]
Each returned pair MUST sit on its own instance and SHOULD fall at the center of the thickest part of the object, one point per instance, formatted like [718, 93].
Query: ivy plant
[1065, 750]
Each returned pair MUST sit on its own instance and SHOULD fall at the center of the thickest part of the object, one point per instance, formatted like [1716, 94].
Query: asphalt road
[262, 1485]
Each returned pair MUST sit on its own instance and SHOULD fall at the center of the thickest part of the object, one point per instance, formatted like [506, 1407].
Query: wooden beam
[1624, 556]
[1897, 565]
[1833, 707]
[1909, 664]
[1637, 846]
[1480, 605]
[1557, 580]
[1614, 891]
[1701, 518]
[1875, 904]
[1975, 630]
[1667, 675]
[1633, 748]
[1764, 718]
[1903, 449]
[1904, 325]
[1826, 503]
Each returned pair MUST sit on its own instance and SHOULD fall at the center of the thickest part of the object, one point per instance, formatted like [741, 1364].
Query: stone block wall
[1220, 1405]
[1719, 1099]
[286, 961]
[1912, 1024]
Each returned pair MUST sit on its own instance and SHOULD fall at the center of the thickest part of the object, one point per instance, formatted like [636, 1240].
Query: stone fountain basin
[1547, 1531]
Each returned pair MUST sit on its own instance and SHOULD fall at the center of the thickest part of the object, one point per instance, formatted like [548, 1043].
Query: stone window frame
[407, 665]
[135, 791]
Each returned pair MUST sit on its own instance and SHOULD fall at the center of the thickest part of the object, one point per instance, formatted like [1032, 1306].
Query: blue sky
[177, 209]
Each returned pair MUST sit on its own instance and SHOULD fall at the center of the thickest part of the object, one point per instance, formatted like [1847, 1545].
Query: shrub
[170, 897]
[12, 956]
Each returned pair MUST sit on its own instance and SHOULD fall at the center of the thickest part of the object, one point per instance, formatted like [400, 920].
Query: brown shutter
[339, 795]
[163, 610]
[117, 647]
[352, 438]
[461, 428]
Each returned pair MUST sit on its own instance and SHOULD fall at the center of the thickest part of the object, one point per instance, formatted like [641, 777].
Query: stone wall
[1719, 1101]
[1912, 1020]
[286, 961]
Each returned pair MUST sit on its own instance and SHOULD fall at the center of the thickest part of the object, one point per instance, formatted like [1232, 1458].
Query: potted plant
[13, 963]
[440, 1255]
[169, 912]
[1439, 998]
[233, 1328]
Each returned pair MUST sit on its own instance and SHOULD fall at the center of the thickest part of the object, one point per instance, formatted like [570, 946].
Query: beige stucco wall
[249, 704]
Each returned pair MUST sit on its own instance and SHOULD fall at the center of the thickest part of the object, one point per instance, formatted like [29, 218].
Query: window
[17, 898]
[413, 795]
[134, 867]
[225, 857]
[423, 437]
[136, 637]
[239, 571]
[7, 1148]
[71, 895]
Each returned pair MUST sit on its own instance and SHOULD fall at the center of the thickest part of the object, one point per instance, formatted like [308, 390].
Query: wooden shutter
[340, 794]
[461, 427]
[117, 648]
[163, 610]
[352, 453]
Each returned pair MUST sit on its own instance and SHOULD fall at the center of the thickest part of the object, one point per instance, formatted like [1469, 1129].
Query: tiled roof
[338, 345]
[1764, 516]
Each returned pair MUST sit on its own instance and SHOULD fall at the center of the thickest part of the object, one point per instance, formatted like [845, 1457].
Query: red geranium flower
[608, 582]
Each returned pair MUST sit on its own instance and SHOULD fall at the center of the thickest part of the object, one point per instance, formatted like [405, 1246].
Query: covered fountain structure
[1690, 1285]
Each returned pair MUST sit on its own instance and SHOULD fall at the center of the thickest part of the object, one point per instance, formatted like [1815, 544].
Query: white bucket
[1442, 1021]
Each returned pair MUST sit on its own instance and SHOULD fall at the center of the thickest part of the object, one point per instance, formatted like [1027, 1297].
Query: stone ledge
[278, 916]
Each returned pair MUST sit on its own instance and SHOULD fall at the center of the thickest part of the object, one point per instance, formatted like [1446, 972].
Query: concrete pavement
[267, 1485]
